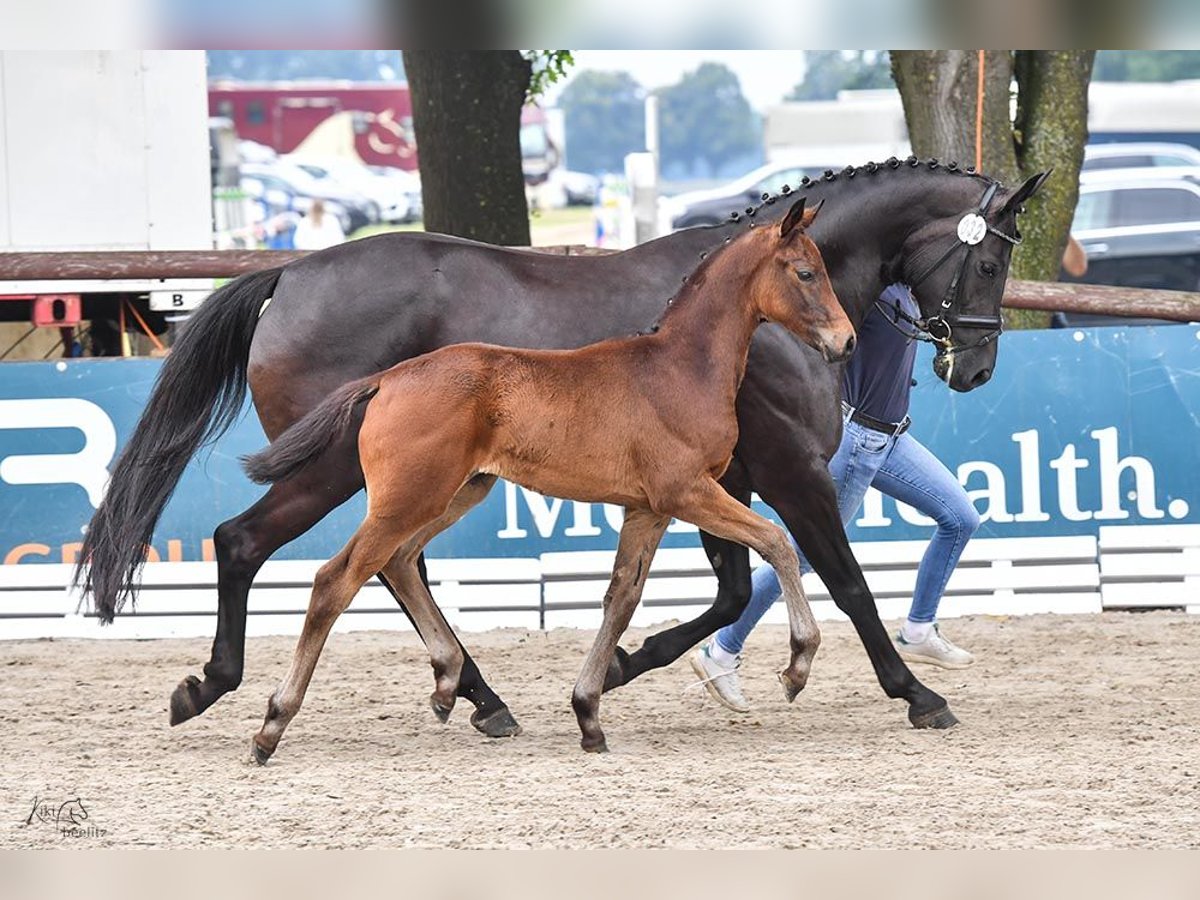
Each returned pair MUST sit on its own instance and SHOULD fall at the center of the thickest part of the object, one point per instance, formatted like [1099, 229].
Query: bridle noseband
[972, 229]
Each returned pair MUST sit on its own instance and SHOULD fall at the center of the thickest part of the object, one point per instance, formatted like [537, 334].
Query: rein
[939, 329]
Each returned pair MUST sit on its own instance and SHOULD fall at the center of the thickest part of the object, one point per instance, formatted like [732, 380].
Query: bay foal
[646, 422]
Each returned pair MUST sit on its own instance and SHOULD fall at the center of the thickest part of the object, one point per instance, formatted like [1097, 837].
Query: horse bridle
[972, 229]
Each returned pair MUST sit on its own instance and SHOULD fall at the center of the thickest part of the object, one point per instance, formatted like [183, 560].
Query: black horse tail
[198, 395]
[307, 439]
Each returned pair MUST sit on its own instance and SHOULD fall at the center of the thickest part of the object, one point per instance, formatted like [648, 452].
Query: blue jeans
[900, 467]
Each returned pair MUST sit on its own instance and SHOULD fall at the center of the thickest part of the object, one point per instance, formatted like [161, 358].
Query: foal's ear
[1032, 185]
[793, 217]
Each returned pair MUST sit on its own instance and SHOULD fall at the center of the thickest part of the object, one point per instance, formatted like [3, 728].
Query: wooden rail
[1179, 306]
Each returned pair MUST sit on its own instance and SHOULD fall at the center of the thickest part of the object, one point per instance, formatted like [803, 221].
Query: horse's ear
[811, 214]
[792, 219]
[1031, 186]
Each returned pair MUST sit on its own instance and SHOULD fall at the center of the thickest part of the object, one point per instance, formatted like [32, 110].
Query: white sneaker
[720, 681]
[936, 650]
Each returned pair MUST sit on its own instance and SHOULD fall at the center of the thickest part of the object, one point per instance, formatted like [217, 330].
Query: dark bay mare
[297, 333]
[471, 413]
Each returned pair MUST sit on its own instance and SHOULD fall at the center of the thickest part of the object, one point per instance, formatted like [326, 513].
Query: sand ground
[1076, 731]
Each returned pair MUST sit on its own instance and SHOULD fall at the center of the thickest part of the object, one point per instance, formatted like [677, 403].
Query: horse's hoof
[498, 724]
[184, 700]
[441, 710]
[259, 755]
[938, 718]
[791, 689]
[594, 745]
[615, 676]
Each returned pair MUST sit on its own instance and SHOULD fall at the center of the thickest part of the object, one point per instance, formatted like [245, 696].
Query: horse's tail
[198, 395]
[307, 439]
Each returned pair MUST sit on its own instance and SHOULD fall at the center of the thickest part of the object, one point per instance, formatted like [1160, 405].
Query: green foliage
[604, 119]
[705, 117]
[283, 65]
[829, 71]
[1146, 65]
[549, 67]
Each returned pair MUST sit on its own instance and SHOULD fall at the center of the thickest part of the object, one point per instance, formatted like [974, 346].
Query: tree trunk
[939, 90]
[467, 119]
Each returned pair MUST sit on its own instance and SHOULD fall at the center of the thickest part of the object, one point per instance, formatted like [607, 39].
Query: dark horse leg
[805, 498]
[243, 544]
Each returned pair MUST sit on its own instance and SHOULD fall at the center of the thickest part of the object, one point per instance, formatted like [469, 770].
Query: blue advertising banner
[1078, 428]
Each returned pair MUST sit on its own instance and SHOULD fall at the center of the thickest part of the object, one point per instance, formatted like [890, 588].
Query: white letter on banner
[1031, 478]
[1111, 467]
[872, 511]
[582, 526]
[994, 492]
[545, 515]
[86, 468]
[912, 516]
[1066, 466]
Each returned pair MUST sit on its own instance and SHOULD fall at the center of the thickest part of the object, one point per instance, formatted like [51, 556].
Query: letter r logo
[86, 468]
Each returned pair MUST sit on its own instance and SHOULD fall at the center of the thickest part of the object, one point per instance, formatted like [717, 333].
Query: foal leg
[731, 563]
[405, 577]
[710, 508]
[492, 715]
[640, 534]
[397, 511]
[369, 549]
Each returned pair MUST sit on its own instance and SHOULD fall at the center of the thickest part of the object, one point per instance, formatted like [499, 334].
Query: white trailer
[103, 150]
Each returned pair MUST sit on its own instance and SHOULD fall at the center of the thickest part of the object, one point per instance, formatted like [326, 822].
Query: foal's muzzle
[838, 346]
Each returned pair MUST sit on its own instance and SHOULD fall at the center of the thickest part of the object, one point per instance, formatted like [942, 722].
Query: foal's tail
[198, 395]
[306, 440]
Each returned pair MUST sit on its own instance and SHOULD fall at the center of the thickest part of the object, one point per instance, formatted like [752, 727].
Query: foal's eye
[804, 274]
[988, 269]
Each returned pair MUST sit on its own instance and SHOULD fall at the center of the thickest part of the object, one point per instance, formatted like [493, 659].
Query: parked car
[579, 188]
[711, 207]
[275, 196]
[410, 182]
[1138, 231]
[358, 209]
[1097, 157]
[397, 196]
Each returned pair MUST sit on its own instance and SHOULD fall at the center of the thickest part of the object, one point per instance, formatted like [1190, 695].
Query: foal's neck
[710, 321]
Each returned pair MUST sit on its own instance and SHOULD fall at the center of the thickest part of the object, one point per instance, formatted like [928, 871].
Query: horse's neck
[863, 226]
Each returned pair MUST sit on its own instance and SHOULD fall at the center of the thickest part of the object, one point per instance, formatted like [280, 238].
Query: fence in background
[1175, 306]
[1129, 567]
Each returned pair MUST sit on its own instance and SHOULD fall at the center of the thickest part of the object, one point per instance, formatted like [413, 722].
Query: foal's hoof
[258, 754]
[938, 718]
[185, 701]
[440, 709]
[791, 686]
[594, 745]
[498, 724]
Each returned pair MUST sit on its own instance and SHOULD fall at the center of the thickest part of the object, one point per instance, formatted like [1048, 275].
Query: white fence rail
[1129, 567]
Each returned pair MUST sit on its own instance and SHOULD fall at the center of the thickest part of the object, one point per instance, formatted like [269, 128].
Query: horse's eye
[988, 269]
[804, 274]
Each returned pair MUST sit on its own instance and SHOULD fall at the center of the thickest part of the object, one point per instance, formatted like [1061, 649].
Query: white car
[711, 207]
[1097, 157]
[395, 192]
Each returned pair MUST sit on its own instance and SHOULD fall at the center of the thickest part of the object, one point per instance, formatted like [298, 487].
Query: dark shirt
[878, 378]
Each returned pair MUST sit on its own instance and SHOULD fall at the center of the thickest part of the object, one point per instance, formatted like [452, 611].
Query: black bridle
[939, 329]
